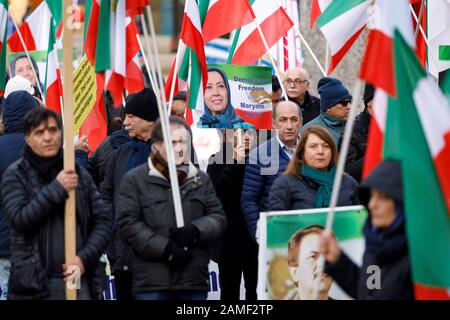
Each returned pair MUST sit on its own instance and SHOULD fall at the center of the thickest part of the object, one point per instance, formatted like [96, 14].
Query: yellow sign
[84, 92]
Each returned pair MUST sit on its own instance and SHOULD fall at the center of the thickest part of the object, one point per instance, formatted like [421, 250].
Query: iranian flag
[247, 45]
[192, 66]
[390, 15]
[218, 22]
[318, 6]
[97, 49]
[377, 66]
[35, 31]
[53, 87]
[124, 47]
[3, 37]
[420, 139]
[136, 7]
[341, 24]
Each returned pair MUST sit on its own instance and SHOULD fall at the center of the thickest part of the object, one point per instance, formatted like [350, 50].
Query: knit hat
[331, 91]
[143, 105]
[18, 83]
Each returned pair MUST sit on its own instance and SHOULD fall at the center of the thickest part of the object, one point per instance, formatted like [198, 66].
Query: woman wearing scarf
[219, 113]
[21, 66]
[309, 177]
[385, 273]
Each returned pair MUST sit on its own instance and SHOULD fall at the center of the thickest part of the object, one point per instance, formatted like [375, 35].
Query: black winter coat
[145, 215]
[228, 179]
[291, 193]
[357, 148]
[310, 107]
[27, 203]
[395, 278]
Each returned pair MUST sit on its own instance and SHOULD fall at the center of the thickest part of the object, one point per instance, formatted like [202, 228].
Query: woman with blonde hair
[308, 180]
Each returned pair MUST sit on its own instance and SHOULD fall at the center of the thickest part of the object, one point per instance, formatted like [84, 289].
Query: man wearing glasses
[335, 103]
[296, 85]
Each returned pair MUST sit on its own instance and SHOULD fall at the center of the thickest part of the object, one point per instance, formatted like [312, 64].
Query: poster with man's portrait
[289, 245]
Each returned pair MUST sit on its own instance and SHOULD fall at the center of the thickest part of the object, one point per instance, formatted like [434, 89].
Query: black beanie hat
[331, 91]
[143, 105]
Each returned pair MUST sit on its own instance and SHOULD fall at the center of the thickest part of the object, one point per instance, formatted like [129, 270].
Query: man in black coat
[296, 85]
[358, 142]
[169, 263]
[140, 114]
[33, 193]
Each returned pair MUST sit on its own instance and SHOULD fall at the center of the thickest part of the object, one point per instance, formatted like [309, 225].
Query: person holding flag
[385, 273]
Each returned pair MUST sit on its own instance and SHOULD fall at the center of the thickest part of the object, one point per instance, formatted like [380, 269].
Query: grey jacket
[145, 214]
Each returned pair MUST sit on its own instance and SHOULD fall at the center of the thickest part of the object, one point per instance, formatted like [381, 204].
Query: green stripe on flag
[427, 221]
[184, 67]
[87, 14]
[56, 10]
[347, 225]
[444, 52]
[235, 40]
[195, 81]
[3, 62]
[102, 51]
[336, 9]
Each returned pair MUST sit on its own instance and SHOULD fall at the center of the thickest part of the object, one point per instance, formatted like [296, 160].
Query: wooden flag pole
[69, 153]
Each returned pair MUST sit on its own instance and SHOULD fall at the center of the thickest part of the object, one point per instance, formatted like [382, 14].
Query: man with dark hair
[303, 256]
[141, 112]
[33, 192]
[172, 262]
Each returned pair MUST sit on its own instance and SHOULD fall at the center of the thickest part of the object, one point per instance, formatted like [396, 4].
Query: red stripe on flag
[421, 45]
[169, 80]
[273, 28]
[135, 7]
[91, 33]
[135, 80]
[441, 163]
[132, 43]
[377, 66]
[225, 16]
[261, 120]
[193, 39]
[374, 149]
[95, 126]
[116, 84]
[315, 13]
[15, 44]
[423, 292]
[337, 57]
[53, 94]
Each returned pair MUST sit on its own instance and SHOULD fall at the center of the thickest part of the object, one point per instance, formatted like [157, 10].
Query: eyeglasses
[346, 102]
[296, 81]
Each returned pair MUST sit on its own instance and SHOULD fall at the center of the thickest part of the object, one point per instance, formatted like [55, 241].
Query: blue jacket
[265, 163]
[11, 145]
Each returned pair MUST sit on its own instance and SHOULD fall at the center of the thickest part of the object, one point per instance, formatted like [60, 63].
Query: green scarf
[325, 181]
